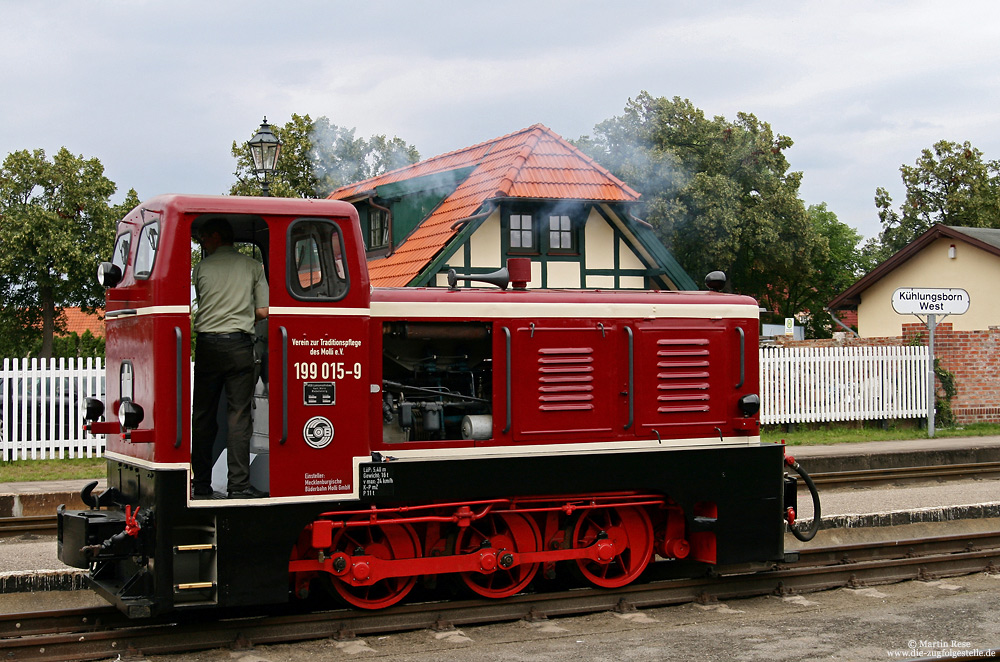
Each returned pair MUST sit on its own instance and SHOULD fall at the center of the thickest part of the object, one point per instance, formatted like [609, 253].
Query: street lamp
[264, 147]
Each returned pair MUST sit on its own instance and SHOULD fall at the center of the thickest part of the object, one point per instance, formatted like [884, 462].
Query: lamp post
[264, 148]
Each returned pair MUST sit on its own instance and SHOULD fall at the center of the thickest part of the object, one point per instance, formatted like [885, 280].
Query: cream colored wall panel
[599, 238]
[536, 274]
[563, 274]
[631, 282]
[485, 243]
[601, 282]
[627, 259]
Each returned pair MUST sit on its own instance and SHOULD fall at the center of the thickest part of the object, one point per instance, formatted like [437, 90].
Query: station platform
[38, 498]
[896, 454]
[899, 512]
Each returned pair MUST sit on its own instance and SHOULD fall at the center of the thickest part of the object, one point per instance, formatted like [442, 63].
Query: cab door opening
[251, 237]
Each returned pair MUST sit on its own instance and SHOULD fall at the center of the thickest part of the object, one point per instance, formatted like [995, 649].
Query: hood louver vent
[566, 379]
[682, 375]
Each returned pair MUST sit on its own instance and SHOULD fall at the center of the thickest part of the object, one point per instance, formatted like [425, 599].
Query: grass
[841, 434]
[94, 467]
[67, 469]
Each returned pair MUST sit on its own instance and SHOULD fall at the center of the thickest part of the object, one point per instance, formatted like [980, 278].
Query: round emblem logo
[318, 432]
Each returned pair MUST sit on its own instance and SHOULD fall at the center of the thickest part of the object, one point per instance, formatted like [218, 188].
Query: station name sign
[930, 301]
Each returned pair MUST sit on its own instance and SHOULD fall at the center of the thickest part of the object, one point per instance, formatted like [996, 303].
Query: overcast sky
[159, 90]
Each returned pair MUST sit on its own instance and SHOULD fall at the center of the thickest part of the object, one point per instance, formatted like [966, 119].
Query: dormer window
[378, 229]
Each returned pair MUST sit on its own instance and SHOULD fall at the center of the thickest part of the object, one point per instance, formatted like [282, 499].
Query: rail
[900, 475]
[101, 633]
[38, 525]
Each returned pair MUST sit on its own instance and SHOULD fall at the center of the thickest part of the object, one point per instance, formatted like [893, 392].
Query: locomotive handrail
[631, 376]
[506, 333]
[178, 337]
[532, 328]
[341, 519]
[284, 385]
[120, 313]
[742, 334]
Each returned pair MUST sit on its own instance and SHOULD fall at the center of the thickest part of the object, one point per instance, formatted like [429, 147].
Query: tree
[318, 157]
[950, 183]
[834, 265]
[54, 219]
[721, 196]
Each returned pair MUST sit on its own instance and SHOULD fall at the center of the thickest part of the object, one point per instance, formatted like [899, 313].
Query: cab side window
[316, 266]
[123, 244]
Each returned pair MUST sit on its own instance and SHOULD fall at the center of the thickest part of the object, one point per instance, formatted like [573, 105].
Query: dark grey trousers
[222, 362]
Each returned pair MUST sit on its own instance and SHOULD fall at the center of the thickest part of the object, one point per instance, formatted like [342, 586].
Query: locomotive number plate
[319, 393]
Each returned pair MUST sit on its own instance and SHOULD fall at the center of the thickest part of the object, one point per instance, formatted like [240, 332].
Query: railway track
[46, 524]
[902, 475]
[39, 525]
[103, 633]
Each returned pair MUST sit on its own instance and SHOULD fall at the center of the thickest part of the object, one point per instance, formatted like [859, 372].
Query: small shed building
[942, 257]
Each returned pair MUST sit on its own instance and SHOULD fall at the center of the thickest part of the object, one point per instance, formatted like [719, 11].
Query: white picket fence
[818, 384]
[41, 408]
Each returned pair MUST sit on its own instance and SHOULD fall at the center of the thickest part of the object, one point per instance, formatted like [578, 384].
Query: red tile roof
[79, 321]
[531, 163]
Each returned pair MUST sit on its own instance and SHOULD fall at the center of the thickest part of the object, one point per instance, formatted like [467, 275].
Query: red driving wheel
[631, 531]
[386, 541]
[502, 533]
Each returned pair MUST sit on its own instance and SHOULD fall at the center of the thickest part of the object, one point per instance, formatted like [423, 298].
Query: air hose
[814, 527]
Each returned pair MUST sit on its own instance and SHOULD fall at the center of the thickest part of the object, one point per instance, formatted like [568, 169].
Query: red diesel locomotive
[494, 434]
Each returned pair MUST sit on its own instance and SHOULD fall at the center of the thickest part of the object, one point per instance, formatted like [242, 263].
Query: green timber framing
[662, 270]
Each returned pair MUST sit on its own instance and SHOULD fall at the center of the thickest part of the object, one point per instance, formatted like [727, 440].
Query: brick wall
[972, 356]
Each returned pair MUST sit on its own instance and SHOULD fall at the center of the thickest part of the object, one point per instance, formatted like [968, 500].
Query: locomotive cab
[318, 305]
[310, 251]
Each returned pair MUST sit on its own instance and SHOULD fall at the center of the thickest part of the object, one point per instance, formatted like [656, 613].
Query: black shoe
[248, 493]
[202, 492]
[209, 495]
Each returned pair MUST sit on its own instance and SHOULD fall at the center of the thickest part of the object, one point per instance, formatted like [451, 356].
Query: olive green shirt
[228, 287]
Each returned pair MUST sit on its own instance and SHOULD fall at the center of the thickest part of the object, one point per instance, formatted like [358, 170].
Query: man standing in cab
[232, 295]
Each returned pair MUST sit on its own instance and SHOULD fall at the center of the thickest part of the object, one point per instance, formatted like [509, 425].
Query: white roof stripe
[526, 310]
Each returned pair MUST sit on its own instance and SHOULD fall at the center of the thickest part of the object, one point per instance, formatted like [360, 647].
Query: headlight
[129, 415]
[108, 275]
[93, 409]
[750, 404]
